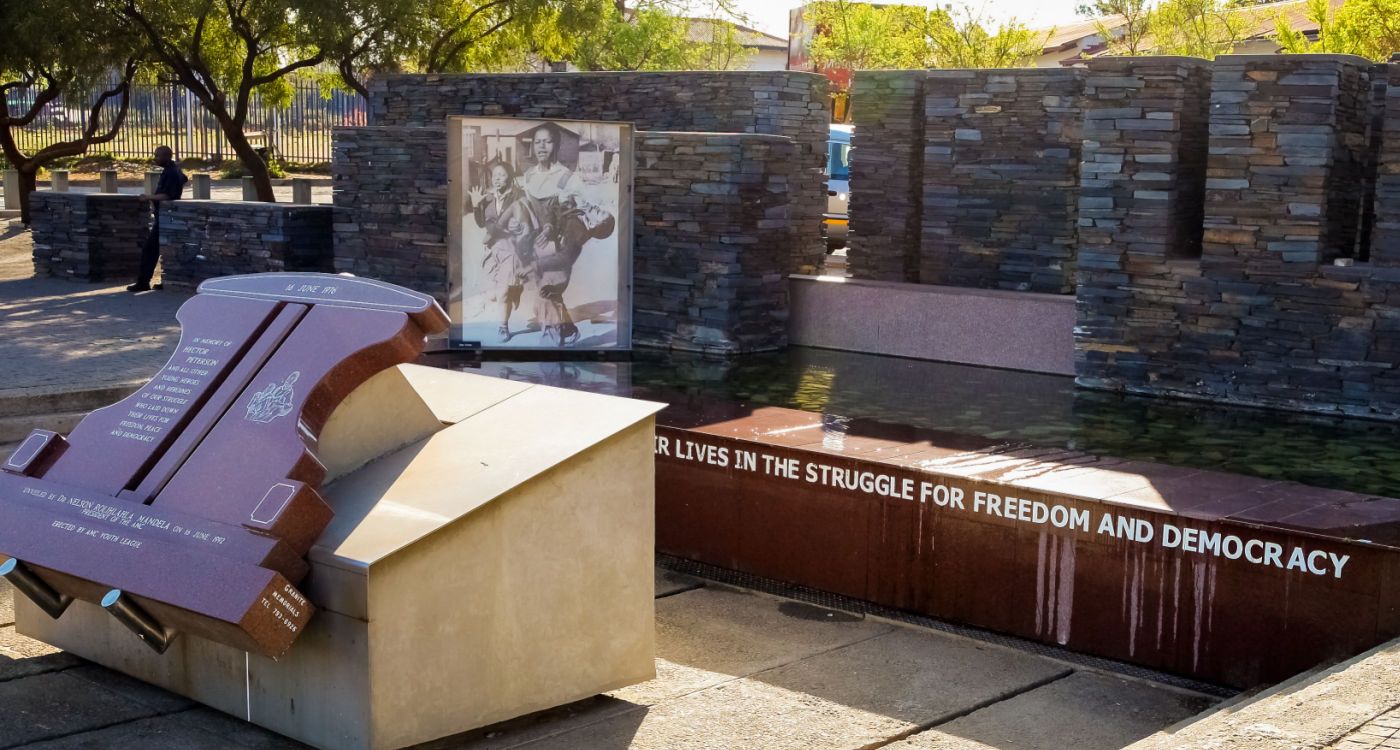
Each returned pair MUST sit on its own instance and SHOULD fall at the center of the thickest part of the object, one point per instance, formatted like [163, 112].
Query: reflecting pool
[1351, 454]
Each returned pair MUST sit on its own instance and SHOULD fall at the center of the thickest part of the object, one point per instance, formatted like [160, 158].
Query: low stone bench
[203, 239]
[88, 236]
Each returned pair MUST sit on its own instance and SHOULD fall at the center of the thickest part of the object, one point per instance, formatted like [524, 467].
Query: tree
[1128, 37]
[657, 35]
[962, 40]
[56, 48]
[1370, 28]
[223, 51]
[861, 36]
[1197, 28]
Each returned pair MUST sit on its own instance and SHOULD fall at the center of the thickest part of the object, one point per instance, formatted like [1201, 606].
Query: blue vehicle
[838, 186]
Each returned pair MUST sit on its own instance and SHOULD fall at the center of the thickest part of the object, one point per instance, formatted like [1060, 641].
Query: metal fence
[299, 132]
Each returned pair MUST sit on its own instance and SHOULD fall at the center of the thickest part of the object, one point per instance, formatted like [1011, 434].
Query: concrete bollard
[301, 190]
[250, 191]
[150, 183]
[12, 190]
[58, 180]
[107, 181]
[201, 186]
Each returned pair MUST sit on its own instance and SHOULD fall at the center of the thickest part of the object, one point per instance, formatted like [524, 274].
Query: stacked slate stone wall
[712, 225]
[784, 103]
[1385, 239]
[713, 219]
[1142, 184]
[1265, 317]
[203, 239]
[1000, 171]
[1283, 191]
[390, 198]
[887, 175]
[88, 236]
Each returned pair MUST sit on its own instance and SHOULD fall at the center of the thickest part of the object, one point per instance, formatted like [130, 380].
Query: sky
[772, 15]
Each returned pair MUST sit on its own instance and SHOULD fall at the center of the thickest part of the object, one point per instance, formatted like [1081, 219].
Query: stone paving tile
[918, 676]
[716, 633]
[1084, 711]
[53, 705]
[669, 582]
[68, 334]
[1380, 733]
[200, 729]
[7, 603]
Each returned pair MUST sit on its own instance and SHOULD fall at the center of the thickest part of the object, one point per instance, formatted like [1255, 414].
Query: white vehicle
[838, 187]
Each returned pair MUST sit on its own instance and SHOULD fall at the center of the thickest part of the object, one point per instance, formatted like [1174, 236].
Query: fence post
[201, 186]
[108, 181]
[58, 180]
[250, 191]
[12, 190]
[301, 190]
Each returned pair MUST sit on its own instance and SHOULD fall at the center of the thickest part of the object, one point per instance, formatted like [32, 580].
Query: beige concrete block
[1085, 711]
[503, 565]
[541, 598]
[714, 634]
[381, 416]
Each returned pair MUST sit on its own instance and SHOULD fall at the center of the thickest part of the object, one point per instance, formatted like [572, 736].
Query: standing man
[171, 185]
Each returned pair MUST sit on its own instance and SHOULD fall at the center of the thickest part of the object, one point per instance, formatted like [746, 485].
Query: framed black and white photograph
[541, 233]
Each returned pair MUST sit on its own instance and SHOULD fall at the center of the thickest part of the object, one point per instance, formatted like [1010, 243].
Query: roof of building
[1262, 24]
[702, 30]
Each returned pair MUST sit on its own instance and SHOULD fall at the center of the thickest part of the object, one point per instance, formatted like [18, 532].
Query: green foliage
[1197, 28]
[653, 36]
[53, 48]
[234, 169]
[963, 40]
[1128, 37]
[1370, 28]
[861, 36]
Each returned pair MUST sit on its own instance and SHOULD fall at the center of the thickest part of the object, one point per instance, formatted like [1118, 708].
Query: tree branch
[319, 58]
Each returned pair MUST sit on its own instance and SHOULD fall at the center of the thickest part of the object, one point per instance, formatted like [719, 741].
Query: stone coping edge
[1312, 710]
[41, 400]
[962, 291]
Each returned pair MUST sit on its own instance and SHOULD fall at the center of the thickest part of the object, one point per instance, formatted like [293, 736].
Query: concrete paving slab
[1084, 711]
[920, 677]
[154, 698]
[669, 582]
[23, 657]
[49, 706]
[175, 732]
[716, 633]
[536, 727]
[744, 714]
[16, 646]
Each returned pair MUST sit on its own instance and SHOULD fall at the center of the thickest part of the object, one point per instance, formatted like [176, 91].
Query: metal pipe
[138, 620]
[29, 583]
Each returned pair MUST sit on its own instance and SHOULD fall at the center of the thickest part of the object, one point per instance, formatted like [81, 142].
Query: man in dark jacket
[171, 185]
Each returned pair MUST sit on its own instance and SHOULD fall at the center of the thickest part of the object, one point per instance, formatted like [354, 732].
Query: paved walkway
[735, 669]
[61, 334]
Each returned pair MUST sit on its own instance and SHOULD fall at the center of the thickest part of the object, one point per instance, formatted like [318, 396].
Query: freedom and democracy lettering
[945, 493]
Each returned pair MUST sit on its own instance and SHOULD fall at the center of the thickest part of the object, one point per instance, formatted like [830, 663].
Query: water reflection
[1046, 410]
